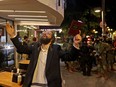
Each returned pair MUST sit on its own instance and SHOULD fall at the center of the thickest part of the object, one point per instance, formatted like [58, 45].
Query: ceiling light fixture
[30, 19]
[30, 11]
[33, 23]
[6, 10]
[2, 22]
[26, 16]
[22, 11]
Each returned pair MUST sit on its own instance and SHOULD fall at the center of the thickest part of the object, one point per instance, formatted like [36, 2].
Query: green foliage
[88, 17]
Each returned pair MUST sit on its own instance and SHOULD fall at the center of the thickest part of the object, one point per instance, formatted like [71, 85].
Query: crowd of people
[87, 53]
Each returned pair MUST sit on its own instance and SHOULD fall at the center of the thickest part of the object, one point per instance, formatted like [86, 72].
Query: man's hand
[77, 39]
[10, 30]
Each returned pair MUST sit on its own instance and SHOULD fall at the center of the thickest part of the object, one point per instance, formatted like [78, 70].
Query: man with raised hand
[44, 67]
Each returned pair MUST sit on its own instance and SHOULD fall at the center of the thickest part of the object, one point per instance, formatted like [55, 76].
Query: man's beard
[45, 40]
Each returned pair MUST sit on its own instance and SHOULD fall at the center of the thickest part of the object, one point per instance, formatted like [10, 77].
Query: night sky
[79, 6]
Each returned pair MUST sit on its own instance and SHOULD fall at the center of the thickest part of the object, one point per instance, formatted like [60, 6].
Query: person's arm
[14, 38]
[66, 55]
[10, 30]
[21, 48]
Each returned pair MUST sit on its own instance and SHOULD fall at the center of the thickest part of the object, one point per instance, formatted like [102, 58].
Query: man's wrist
[13, 36]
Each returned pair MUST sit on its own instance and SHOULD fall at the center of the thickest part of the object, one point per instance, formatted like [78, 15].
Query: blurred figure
[25, 40]
[25, 43]
[67, 47]
[114, 42]
[86, 57]
[75, 52]
[110, 55]
[34, 40]
[114, 45]
[101, 48]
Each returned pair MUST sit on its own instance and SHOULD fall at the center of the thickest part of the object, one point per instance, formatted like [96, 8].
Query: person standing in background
[25, 40]
[67, 47]
[75, 51]
[114, 45]
[34, 40]
[110, 55]
[86, 57]
[25, 43]
[102, 48]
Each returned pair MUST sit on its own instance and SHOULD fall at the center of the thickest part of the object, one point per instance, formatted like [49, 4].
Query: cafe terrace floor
[76, 79]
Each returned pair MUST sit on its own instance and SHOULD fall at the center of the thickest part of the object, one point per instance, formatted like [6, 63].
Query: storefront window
[6, 46]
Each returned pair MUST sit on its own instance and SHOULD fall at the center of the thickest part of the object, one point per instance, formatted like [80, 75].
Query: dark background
[83, 10]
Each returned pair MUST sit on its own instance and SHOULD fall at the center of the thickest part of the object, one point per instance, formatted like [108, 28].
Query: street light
[103, 17]
[97, 10]
[102, 11]
[102, 23]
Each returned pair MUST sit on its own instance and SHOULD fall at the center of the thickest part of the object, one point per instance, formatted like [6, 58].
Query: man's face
[46, 37]
[77, 39]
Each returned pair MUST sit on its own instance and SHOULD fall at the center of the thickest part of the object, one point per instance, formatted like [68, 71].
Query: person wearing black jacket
[44, 67]
[75, 52]
[86, 59]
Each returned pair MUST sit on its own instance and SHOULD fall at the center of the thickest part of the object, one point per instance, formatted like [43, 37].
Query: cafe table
[6, 80]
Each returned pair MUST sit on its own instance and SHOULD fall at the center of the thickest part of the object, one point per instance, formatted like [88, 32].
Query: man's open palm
[10, 30]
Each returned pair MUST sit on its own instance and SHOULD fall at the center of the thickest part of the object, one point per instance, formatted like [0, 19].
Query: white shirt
[39, 74]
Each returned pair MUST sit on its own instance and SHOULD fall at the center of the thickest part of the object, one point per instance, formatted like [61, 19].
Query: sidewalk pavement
[76, 79]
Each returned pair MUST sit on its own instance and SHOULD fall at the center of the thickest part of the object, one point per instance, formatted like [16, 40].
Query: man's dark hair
[53, 37]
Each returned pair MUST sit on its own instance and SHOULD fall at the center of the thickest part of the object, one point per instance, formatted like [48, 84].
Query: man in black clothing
[44, 67]
[86, 58]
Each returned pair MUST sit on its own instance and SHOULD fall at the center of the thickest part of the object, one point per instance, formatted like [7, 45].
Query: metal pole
[103, 18]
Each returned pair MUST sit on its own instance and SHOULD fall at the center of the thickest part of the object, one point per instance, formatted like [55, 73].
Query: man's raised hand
[10, 30]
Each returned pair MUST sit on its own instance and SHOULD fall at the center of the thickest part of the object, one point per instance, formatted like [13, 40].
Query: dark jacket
[52, 70]
[75, 53]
